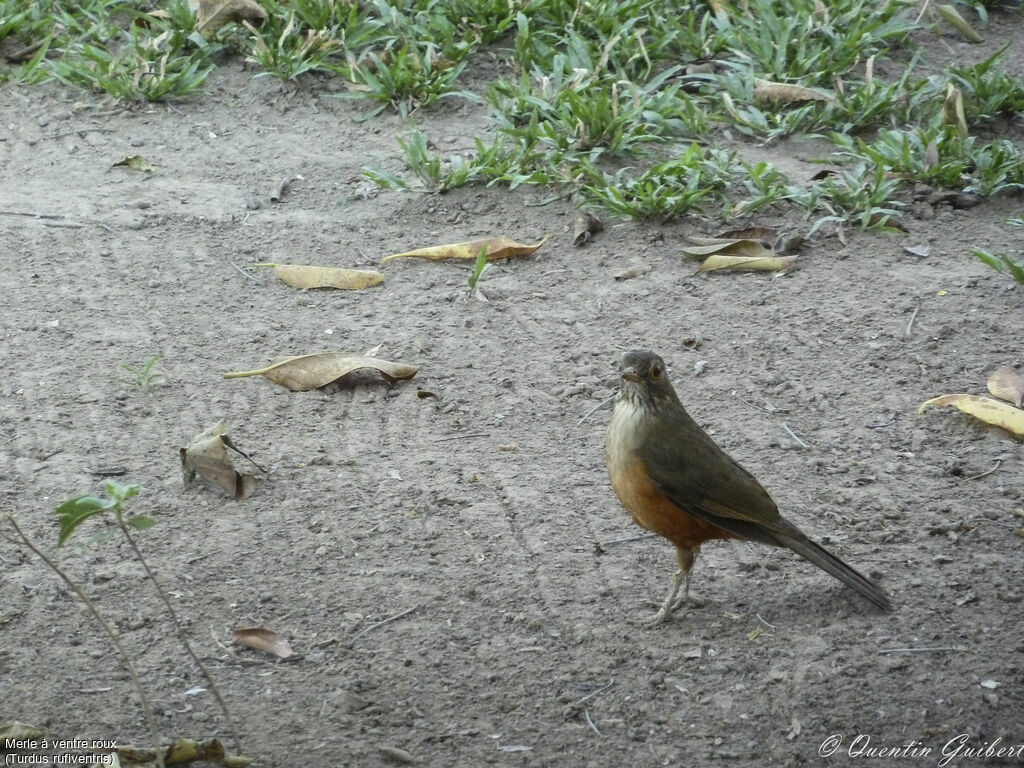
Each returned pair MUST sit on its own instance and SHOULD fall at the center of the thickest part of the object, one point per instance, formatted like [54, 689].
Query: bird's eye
[655, 372]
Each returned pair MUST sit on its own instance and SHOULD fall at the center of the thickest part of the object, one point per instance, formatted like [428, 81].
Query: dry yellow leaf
[953, 110]
[497, 248]
[955, 20]
[717, 245]
[1006, 384]
[720, 261]
[305, 372]
[211, 15]
[774, 94]
[136, 163]
[263, 639]
[305, 277]
[584, 227]
[207, 456]
[990, 411]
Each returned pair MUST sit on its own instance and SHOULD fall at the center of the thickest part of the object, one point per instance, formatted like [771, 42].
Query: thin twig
[462, 437]
[920, 650]
[282, 185]
[64, 224]
[147, 709]
[230, 444]
[596, 407]
[251, 277]
[625, 539]
[910, 324]
[178, 628]
[381, 623]
[986, 472]
[80, 130]
[770, 626]
[33, 215]
[793, 434]
[590, 722]
[592, 694]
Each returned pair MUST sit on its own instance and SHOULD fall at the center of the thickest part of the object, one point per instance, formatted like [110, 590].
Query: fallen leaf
[305, 277]
[738, 254]
[757, 263]
[952, 17]
[397, 755]
[136, 163]
[211, 15]
[765, 235]
[990, 411]
[189, 751]
[497, 248]
[585, 226]
[709, 246]
[920, 251]
[953, 110]
[207, 456]
[16, 731]
[1006, 384]
[635, 271]
[305, 372]
[774, 94]
[263, 639]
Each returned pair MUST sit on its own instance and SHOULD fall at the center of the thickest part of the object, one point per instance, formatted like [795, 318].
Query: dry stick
[360, 633]
[278, 193]
[591, 411]
[910, 325]
[251, 277]
[462, 437]
[147, 710]
[177, 628]
[586, 714]
[627, 538]
[986, 472]
[793, 434]
[33, 215]
[592, 694]
[80, 130]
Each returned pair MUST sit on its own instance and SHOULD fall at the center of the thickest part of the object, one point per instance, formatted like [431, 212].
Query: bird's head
[645, 380]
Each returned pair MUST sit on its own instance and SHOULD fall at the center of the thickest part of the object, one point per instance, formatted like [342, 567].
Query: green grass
[617, 101]
[1000, 262]
[144, 377]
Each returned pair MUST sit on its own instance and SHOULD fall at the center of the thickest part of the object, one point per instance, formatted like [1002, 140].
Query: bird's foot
[690, 600]
[658, 619]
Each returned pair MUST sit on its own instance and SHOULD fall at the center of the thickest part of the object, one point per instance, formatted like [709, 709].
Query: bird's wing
[700, 478]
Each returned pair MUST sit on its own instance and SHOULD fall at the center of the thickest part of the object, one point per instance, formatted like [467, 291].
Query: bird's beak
[629, 374]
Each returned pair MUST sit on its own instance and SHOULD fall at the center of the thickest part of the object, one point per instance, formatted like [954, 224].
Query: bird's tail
[831, 564]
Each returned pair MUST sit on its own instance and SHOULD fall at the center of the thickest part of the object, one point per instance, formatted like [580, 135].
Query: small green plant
[144, 377]
[863, 195]
[479, 268]
[405, 78]
[1000, 262]
[665, 190]
[291, 52]
[150, 61]
[73, 512]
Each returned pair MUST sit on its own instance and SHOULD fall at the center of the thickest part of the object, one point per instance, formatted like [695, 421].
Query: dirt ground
[484, 515]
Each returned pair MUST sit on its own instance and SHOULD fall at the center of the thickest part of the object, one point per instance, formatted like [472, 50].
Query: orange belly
[651, 510]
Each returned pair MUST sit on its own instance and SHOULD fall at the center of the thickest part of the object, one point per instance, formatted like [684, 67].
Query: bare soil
[484, 514]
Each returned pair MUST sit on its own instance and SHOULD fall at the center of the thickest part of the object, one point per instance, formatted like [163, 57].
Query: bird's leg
[685, 557]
